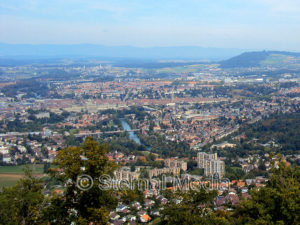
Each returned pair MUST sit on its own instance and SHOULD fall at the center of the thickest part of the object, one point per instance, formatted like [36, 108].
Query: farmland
[9, 175]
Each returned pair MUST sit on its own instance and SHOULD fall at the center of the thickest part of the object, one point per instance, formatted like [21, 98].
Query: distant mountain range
[263, 58]
[13, 51]
[18, 54]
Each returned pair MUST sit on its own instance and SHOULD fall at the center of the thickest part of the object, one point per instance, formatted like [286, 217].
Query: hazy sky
[247, 24]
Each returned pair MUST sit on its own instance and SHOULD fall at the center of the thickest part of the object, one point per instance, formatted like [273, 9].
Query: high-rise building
[211, 164]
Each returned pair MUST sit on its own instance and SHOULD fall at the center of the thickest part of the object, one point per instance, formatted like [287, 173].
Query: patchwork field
[9, 175]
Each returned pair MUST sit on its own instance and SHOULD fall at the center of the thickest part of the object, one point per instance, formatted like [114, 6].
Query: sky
[244, 24]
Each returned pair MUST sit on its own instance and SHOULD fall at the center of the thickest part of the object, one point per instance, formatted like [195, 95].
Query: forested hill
[255, 59]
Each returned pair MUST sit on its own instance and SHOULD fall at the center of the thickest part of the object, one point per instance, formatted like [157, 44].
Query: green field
[9, 175]
[37, 168]
[182, 69]
[8, 180]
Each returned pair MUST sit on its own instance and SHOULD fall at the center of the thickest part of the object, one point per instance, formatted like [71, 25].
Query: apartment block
[211, 164]
[125, 174]
[176, 163]
[156, 172]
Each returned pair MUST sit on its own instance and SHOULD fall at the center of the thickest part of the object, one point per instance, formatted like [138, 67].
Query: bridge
[105, 132]
[12, 134]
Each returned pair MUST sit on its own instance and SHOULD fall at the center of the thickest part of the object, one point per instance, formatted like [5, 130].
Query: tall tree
[84, 201]
[22, 203]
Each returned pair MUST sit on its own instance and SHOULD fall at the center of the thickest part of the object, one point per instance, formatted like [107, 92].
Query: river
[132, 134]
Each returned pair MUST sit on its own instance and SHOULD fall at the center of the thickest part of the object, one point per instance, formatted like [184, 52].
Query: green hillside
[263, 58]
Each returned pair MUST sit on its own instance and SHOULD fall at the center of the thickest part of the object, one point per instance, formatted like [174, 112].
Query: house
[220, 201]
[234, 199]
[131, 218]
[114, 216]
[136, 205]
[150, 193]
[250, 181]
[121, 208]
[149, 203]
[145, 218]
[244, 190]
[6, 158]
[261, 180]
[246, 196]
[232, 191]
[141, 212]
[125, 211]
[162, 199]
[155, 213]
[119, 222]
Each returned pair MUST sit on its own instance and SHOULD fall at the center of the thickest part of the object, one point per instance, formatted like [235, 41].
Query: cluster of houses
[19, 148]
[229, 196]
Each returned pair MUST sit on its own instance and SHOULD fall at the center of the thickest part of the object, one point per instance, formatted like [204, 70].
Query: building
[125, 174]
[214, 167]
[223, 145]
[211, 164]
[203, 157]
[176, 163]
[6, 158]
[156, 172]
[42, 115]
